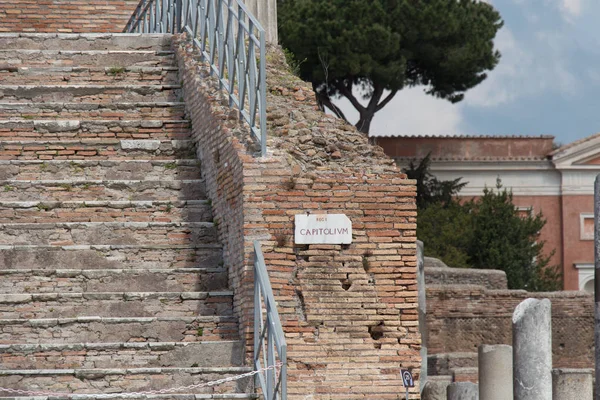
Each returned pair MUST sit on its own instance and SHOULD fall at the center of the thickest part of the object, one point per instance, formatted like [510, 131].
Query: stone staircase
[111, 276]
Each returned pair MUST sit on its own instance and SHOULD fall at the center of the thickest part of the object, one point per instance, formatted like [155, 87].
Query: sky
[547, 81]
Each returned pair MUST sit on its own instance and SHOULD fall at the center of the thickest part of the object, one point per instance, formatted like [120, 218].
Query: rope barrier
[149, 392]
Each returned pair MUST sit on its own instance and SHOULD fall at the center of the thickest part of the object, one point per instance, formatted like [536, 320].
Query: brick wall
[491, 279]
[349, 312]
[65, 15]
[461, 317]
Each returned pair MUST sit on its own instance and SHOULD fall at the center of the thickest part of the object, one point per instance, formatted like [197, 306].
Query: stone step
[172, 111]
[85, 41]
[89, 93]
[111, 233]
[52, 129]
[10, 58]
[117, 396]
[105, 211]
[115, 304]
[110, 257]
[15, 281]
[96, 190]
[102, 149]
[153, 170]
[11, 75]
[121, 355]
[95, 329]
[123, 380]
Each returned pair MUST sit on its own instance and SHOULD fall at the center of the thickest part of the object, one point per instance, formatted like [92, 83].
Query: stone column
[495, 372]
[532, 350]
[266, 12]
[422, 312]
[463, 391]
[572, 384]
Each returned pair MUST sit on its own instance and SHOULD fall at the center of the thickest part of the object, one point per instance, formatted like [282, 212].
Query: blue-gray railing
[269, 340]
[228, 37]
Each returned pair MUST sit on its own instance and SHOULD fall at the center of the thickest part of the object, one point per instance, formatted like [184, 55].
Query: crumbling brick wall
[349, 311]
[65, 16]
[461, 317]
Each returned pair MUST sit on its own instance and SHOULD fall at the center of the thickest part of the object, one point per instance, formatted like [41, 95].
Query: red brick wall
[576, 250]
[349, 312]
[461, 317]
[466, 147]
[65, 16]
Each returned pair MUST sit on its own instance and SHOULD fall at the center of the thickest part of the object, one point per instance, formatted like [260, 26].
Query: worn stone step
[121, 355]
[10, 58]
[103, 149]
[116, 396]
[110, 257]
[115, 304]
[10, 75]
[172, 111]
[124, 380]
[89, 93]
[105, 211]
[153, 170]
[111, 233]
[53, 129]
[85, 41]
[15, 281]
[94, 329]
[96, 190]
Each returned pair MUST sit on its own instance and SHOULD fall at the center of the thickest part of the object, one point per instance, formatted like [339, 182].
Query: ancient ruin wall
[65, 16]
[349, 312]
[461, 317]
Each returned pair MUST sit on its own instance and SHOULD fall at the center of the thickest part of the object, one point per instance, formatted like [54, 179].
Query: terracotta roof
[575, 143]
[478, 159]
[375, 135]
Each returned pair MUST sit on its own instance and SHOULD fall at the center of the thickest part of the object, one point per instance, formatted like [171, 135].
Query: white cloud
[572, 7]
[412, 112]
[527, 68]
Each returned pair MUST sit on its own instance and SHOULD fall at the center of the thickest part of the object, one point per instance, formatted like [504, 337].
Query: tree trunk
[364, 122]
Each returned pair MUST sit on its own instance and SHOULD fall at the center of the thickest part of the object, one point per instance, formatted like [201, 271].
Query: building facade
[557, 182]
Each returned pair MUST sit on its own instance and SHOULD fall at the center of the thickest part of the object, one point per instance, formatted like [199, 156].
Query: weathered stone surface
[134, 304]
[532, 350]
[117, 330]
[463, 391]
[95, 380]
[115, 280]
[98, 170]
[110, 257]
[436, 389]
[111, 271]
[121, 355]
[495, 372]
[572, 384]
[118, 190]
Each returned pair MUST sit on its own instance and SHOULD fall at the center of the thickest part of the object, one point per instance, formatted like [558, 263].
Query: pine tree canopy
[386, 45]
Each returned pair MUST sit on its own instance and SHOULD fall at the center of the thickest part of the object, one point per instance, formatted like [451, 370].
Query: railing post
[178, 14]
[257, 320]
[262, 79]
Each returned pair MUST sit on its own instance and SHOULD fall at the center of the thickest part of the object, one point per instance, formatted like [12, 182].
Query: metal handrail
[268, 334]
[227, 36]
